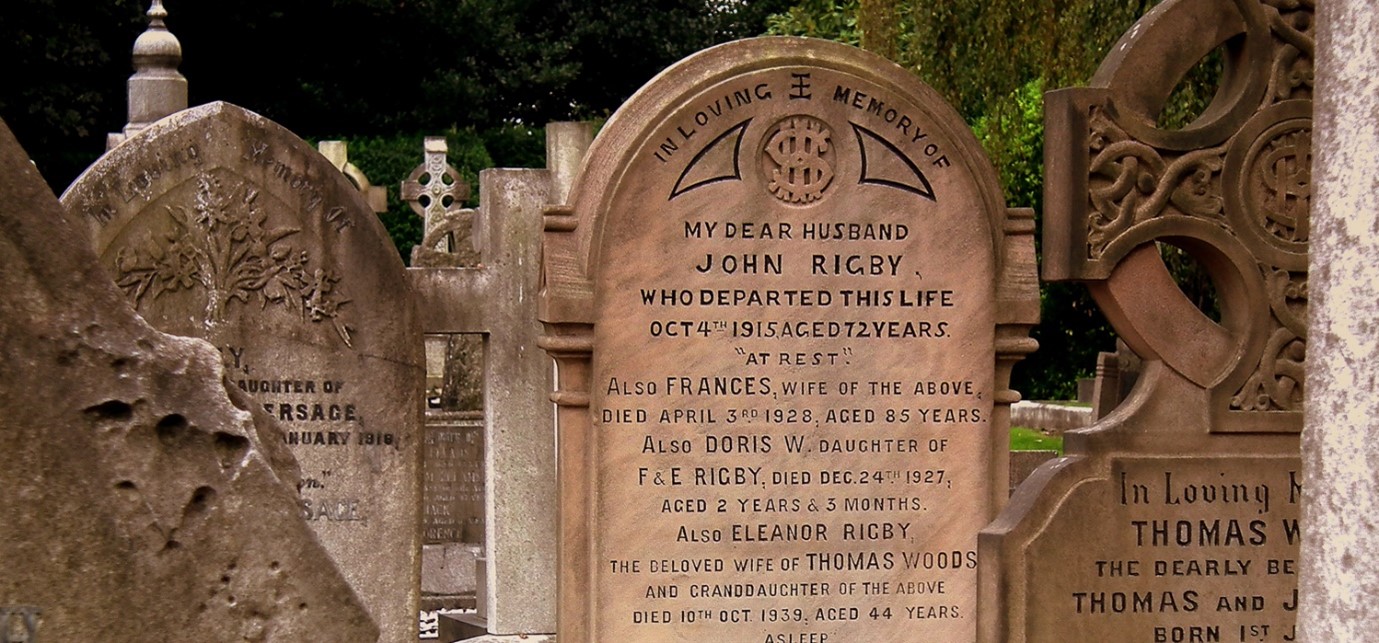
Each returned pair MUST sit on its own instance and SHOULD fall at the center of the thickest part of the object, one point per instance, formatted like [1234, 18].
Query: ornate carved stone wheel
[1232, 189]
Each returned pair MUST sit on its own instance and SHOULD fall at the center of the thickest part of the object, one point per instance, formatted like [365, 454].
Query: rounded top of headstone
[638, 120]
[157, 47]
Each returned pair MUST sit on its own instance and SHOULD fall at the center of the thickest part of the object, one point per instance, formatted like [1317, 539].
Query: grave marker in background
[436, 192]
[492, 290]
[219, 224]
[452, 507]
[338, 153]
[453, 478]
[141, 501]
[1176, 517]
[784, 303]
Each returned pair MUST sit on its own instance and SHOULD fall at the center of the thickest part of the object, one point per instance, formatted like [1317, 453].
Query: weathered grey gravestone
[452, 509]
[784, 303]
[1176, 517]
[156, 89]
[436, 192]
[497, 296]
[219, 224]
[140, 501]
[453, 478]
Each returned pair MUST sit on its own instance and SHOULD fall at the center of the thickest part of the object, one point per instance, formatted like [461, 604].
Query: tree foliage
[350, 68]
[386, 160]
[65, 76]
[489, 73]
[992, 60]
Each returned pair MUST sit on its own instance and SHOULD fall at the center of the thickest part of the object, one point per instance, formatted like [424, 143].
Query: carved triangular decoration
[884, 164]
[720, 160]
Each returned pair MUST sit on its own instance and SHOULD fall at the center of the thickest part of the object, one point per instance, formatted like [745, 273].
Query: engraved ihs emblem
[1283, 170]
[797, 160]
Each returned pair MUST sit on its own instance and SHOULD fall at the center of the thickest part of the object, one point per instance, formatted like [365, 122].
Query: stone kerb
[1175, 516]
[779, 135]
[217, 223]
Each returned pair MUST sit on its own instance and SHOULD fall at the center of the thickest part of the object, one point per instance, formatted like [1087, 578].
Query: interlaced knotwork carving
[1132, 183]
[225, 247]
[1243, 168]
[1292, 71]
[1288, 299]
[1284, 174]
[798, 150]
[1277, 384]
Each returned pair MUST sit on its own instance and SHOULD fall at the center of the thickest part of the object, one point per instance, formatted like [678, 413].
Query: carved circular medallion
[1268, 184]
[797, 160]
[1280, 173]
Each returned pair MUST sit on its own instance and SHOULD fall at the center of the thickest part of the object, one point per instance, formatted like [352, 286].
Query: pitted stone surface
[1339, 570]
[142, 501]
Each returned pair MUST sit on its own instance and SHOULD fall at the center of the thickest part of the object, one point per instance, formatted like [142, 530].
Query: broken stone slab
[133, 483]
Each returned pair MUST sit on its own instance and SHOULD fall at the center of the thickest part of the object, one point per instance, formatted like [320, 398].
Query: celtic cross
[435, 191]
[1232, 189]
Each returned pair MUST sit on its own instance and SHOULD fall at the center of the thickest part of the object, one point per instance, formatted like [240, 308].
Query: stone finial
[156, 89]
[157, 48]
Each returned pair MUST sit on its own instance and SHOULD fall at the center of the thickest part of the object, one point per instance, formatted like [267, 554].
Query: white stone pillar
[1340, 444]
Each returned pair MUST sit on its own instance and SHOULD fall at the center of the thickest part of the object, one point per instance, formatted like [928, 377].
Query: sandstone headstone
[141, 502]
[784, 303]
[1024, 463]
[217, 223]
[1106, 387]
[1175, 518]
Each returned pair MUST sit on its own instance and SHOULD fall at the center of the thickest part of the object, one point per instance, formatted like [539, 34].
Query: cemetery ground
[1027, 439]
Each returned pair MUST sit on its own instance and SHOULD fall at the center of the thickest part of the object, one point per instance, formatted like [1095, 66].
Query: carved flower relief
[168, 265]
[224, 247]
[321, 303]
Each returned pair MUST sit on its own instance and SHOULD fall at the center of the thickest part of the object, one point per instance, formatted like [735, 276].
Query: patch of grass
[1027, 439]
